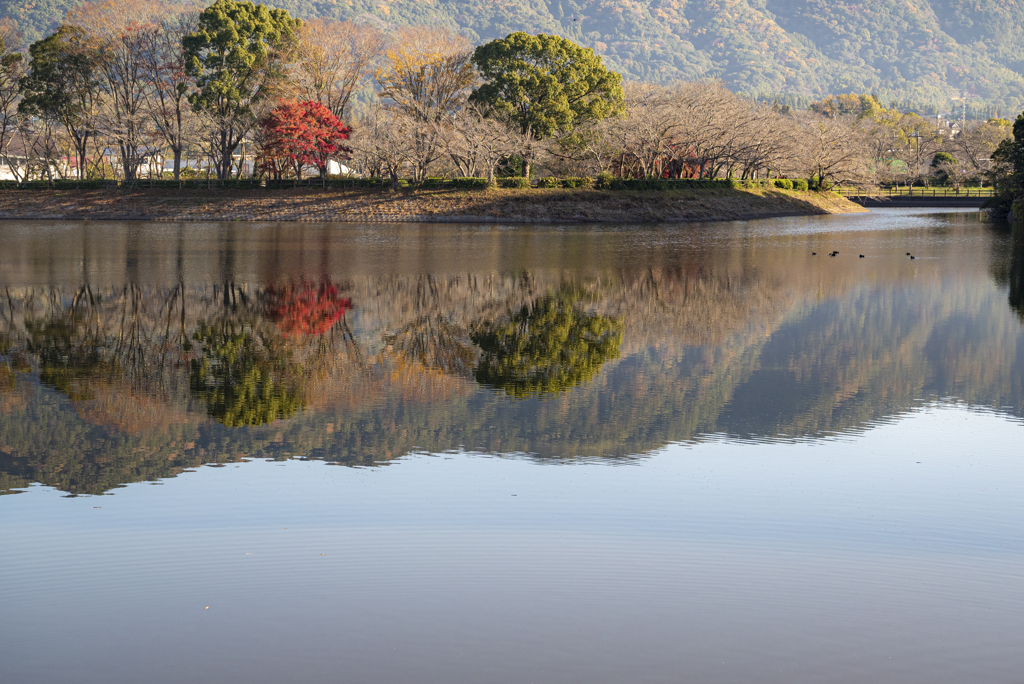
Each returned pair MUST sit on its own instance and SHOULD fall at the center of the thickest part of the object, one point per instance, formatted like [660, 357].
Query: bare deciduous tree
[333, 59]
[831, 150]
[12, 68]
[381, 143]
[696, 130]
[167, 98]
[975, 145]
[476, 143]
[121, 31]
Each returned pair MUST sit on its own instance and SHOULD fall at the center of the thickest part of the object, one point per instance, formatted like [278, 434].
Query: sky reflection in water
[820, 473]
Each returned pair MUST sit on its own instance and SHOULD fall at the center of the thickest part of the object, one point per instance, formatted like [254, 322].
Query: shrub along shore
[447, 203]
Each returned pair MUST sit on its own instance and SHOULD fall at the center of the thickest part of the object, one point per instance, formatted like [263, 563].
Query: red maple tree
[300, 134]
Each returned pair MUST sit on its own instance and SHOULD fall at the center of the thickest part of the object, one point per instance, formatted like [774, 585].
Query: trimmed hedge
[238, 184]
[667, 183]
[604, 181]
[190, 183]
[342, 183]
[514, 182]
[470, 183]
[464, 183]
[332, 183]
[241, 184]
[55, 185]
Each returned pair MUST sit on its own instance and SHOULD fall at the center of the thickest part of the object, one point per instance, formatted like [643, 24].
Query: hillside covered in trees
[926, 52]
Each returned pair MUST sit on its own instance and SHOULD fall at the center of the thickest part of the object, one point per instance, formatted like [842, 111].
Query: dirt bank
[367, 206]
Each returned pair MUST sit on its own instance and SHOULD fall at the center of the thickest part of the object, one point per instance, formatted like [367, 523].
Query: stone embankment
[372, 206]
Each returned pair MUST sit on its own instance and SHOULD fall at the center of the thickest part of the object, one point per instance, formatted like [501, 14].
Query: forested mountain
[925, 52]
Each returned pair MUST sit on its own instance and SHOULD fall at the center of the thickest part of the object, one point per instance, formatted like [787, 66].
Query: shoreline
[555, 206]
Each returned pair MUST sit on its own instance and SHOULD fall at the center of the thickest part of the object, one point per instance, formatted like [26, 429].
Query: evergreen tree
[545, 85]
[238, 57]
[63, 85]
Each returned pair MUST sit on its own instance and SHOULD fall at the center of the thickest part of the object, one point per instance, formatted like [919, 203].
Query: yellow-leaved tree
[426, 72]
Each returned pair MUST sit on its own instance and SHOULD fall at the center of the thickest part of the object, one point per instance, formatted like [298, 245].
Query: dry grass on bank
[372, 205]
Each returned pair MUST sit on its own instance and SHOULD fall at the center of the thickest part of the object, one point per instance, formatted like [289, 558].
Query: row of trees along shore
[131, 89]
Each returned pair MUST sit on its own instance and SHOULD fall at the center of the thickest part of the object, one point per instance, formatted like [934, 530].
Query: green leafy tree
[1008, 174]
[548, 347]
[63, 85]
[942, 163]
[241, 381]
[545, 85]
[238, 56]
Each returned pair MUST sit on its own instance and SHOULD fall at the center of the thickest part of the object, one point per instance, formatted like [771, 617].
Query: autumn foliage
[301, 309]
[297, 135]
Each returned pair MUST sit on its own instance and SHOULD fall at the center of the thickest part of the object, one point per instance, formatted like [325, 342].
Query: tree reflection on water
[548, 346]
[102, 386]
[243, 380]
[1016, 275]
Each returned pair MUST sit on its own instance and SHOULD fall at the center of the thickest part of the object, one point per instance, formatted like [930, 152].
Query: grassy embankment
[374, 205]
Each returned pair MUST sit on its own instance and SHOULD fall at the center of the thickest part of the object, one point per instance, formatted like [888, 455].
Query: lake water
[445, 453]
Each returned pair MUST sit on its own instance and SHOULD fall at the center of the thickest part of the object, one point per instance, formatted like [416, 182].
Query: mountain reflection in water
[133, 352]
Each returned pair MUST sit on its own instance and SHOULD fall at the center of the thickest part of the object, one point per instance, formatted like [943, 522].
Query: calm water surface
[415, 453]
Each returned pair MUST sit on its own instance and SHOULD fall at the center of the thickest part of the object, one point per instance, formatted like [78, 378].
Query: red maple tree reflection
[301, 309]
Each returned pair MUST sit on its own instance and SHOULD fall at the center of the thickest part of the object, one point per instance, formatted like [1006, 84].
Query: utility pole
[917, 136]
[963, 111]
